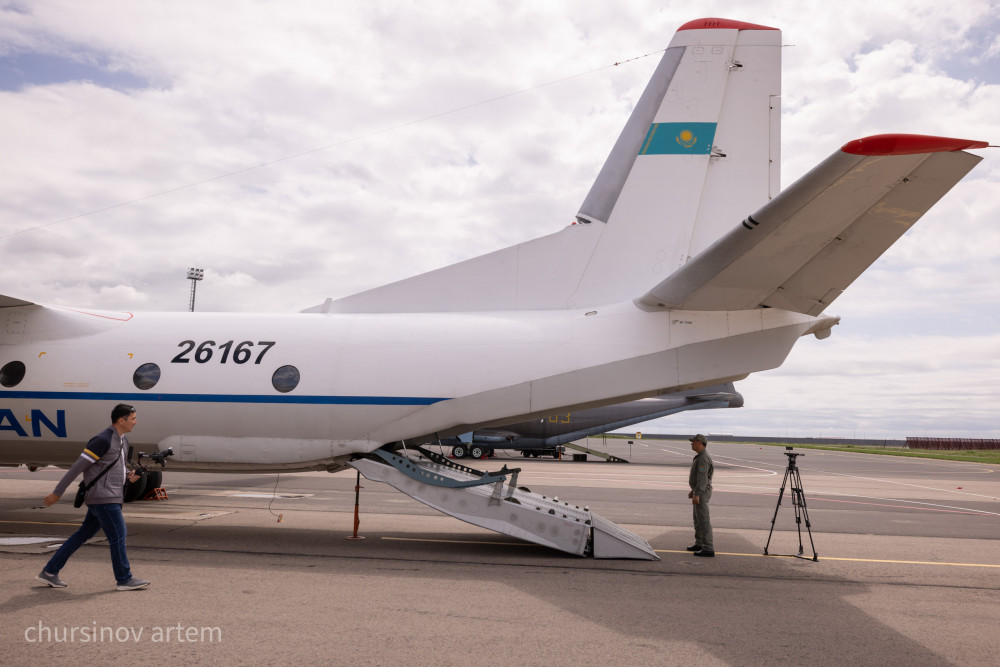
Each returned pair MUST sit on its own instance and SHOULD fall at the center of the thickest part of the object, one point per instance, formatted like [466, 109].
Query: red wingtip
[908, 144]
[721, 24]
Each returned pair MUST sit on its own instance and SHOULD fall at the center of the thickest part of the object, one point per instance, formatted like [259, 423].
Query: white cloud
[375, 196]
[853, 386]
[993, 49]
[123, 296]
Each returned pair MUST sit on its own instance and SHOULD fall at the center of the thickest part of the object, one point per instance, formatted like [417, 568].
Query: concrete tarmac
[908, 570]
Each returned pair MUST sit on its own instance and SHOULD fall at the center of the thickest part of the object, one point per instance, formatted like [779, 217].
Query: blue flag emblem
[679, 139]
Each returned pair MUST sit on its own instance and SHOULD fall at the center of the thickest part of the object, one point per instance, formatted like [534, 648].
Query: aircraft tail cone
[493, 501]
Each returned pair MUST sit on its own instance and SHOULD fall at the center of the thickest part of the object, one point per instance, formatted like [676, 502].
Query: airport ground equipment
[554, 452]
[493, 500]
[798, 502]
[149, 484]
[610, 458]
[357, 504]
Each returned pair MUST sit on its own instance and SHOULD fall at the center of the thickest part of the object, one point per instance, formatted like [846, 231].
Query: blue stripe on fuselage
[222, 398]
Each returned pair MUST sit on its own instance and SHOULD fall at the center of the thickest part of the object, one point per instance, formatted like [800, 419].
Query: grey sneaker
[52, 580]
[133, 584]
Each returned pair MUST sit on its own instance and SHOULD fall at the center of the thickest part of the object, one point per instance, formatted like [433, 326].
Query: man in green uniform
[700, 481]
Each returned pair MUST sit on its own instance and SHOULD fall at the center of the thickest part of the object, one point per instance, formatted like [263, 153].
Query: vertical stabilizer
[698, 154]
[701, 147]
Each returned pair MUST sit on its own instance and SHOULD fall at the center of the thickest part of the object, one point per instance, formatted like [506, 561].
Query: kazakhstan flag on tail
[679, 139]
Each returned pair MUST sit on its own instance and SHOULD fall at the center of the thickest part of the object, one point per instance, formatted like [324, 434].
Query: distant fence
[727, 437]
[951, 443]
[909, 443]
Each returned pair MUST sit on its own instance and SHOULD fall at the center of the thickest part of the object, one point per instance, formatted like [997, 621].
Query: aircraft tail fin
[700, 149]
[804, 247]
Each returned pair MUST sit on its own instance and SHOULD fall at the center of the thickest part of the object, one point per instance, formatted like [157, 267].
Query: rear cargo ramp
[494, 501]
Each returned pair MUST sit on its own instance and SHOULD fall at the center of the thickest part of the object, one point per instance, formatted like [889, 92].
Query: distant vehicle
[544, 437]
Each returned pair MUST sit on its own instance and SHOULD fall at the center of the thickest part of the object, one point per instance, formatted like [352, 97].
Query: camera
[158, 457]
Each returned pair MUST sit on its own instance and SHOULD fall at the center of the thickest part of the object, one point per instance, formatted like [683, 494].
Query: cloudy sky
[300, 150]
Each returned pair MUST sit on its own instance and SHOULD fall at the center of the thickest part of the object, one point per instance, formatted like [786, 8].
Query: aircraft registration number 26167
[205, 351]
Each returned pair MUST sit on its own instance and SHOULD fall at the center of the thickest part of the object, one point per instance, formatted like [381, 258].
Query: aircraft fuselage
[305, 391]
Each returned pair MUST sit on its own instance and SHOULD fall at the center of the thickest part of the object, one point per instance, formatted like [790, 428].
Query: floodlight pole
[194, 275]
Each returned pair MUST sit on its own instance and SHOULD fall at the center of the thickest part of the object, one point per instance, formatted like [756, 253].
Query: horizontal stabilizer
[11, 302]
[693, 401]
[802, 249]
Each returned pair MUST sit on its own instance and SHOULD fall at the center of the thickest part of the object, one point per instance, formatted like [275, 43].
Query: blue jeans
[107, 518]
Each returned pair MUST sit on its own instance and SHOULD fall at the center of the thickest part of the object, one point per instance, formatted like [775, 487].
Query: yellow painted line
[43, 523]
[914, 562]
[856, 560]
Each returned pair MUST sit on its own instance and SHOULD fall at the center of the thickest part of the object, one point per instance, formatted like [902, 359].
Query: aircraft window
[146, 376]
[285, 379]
[12, 373]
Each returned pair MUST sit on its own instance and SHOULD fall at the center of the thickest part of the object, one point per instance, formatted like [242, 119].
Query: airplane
[685, 267]
[543, 437]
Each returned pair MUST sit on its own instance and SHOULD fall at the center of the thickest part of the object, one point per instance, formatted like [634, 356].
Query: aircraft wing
[10, 302]
[804, 247]
[610, 417]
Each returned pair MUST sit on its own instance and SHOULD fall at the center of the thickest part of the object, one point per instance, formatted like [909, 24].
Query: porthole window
[12, 373]
[285, 379]
[146, 376]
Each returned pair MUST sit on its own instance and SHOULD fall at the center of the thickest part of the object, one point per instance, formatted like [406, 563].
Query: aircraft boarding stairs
[494, 501]
[610, 458]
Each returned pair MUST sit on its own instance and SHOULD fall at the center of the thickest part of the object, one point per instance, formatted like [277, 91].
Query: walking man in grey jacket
[700, 481]
[103, 465]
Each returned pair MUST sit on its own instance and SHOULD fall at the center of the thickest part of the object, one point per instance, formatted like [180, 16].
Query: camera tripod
[798, 502]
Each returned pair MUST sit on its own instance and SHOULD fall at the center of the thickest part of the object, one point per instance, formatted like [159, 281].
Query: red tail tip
[908, 144]
[721, 24]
